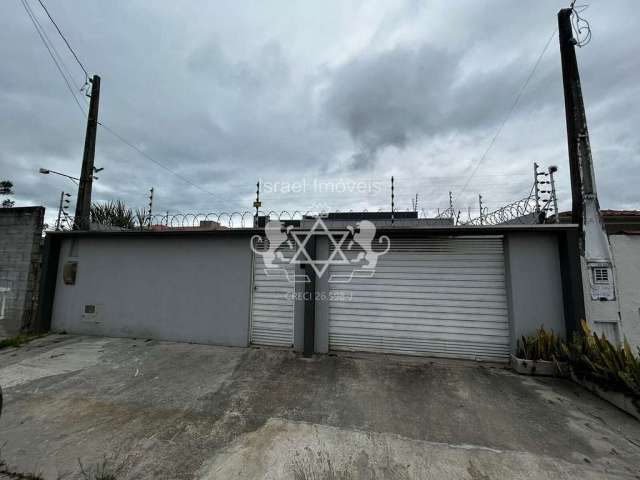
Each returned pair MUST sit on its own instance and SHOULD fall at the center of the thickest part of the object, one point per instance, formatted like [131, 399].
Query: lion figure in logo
[365, 237]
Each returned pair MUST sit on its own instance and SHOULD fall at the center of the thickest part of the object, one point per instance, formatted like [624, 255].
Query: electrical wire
[509, 113]
[150, 158]
[52, 53]
[86, 74]
[581, 27]
[50, 43]
[68, 79]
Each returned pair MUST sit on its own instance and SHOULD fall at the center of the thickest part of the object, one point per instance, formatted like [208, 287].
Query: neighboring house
[439, 290]
[615, 221]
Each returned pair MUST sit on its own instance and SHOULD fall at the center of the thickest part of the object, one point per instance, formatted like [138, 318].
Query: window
[600, 275]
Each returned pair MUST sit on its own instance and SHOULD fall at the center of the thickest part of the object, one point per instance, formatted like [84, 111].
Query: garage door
[440, 296]
[272, 303]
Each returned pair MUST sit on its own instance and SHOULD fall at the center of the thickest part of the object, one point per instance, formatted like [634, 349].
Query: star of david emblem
[320, 229]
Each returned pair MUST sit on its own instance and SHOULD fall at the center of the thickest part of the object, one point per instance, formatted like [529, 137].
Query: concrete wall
[182, 288]
[534, 285]
[20, 241]
[626, 258]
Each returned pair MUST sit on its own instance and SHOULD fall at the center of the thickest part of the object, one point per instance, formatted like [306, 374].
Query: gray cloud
[278, 92]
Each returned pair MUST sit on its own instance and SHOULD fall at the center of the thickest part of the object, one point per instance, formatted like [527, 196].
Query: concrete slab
[166, 410]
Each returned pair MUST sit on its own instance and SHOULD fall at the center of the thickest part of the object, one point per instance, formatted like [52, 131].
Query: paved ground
[158, 410]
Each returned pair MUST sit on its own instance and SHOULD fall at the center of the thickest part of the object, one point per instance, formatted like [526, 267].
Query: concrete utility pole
[601, 309]
[83, 202]
[575, 114]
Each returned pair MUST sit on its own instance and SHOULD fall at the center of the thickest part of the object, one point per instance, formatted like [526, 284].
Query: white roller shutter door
[272, 305]
[438, 296]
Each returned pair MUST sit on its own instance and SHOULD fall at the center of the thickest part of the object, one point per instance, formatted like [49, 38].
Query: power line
[150, 158]
[61, 69]
[508, 115]
[52, 53]
[41, 30]
[86, 74]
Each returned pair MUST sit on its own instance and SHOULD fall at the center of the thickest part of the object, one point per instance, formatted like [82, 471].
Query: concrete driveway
[156, 410]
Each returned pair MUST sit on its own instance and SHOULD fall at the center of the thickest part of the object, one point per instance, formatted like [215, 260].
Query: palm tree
[113, 214]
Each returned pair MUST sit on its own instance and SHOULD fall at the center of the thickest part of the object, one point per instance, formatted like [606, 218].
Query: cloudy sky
[305, 95]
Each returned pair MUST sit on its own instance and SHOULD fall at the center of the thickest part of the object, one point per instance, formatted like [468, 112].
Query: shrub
[544, 345]
[595, 359]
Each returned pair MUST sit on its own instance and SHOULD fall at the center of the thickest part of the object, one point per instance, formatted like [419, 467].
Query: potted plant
[610, 371]
[540, 354]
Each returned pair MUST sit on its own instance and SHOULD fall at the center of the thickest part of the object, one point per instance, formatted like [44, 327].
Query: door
[438, 296]
[272, 304]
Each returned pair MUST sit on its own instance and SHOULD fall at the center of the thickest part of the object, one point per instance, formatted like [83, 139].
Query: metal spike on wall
[257, 204]
[392, 204]
[150, 205]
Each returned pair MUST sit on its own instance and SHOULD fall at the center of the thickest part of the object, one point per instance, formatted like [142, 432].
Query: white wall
[182, 288]
[626, 257]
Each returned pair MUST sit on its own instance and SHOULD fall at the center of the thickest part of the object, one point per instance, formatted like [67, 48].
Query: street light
[46, 171]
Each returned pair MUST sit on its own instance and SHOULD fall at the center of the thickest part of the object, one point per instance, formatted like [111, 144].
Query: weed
[106, 469]
[18, 340]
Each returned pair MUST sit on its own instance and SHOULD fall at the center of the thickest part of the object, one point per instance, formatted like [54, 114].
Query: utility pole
[480, 206]
[83, 202]
[577, 133]
[601, 309]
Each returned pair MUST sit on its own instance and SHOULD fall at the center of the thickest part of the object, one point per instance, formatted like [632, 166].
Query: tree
[117, 214]
[6, 188]
[113, 214]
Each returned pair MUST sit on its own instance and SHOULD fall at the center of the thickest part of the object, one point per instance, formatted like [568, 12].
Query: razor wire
[524, 211]
[517, 212]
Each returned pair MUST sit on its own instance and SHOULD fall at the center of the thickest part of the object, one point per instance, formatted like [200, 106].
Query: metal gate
[272, 303]
[439, 296]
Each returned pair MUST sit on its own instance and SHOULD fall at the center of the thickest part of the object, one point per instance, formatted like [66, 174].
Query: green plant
[115, 214]
[6, 472]
[594, 358]
[543, 345]
[107, 469]
[17, 340]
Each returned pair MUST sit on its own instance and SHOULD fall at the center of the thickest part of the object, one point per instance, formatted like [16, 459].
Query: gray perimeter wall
[182, 288]
[534, 285]
[20, 258]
